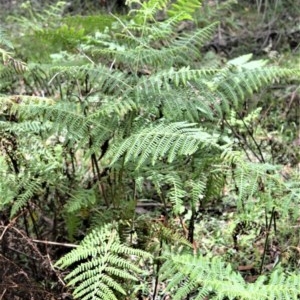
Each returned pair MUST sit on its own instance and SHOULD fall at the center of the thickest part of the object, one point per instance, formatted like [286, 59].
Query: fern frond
[147, 9]
[195, 274]
[243, 82]
[176, 193]
[64, 116]
[171, 237]
[203, 276]
[81, 198]
[111, 107]
[165, 79]
[28, 188]
[197, 189]
[179, 51]
[8, 184]
[103, 264]
[255, 180]
[160, 140]
[102, 78]
[184, 8]
[4, 40]
[152, 32]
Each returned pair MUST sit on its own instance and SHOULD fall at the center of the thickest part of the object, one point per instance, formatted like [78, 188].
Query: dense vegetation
[169, 166]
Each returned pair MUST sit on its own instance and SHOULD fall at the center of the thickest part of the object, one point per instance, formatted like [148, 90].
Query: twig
[87, 57]
[53, 269]
[11, 223]
[55, 243]
[1, 297]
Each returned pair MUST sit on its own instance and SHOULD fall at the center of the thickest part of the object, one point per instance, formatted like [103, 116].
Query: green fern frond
[8, 184]
[167, 79]
[28, 188]
[147, 9]
[171, 237]
[158, 31]
[111, 107]
[181, 50]
[203, 276]
[241, 83]
[104, 263]
[80, 199]
[90, 24]
[184, 8]
[69, 121]
[282, 286]
[176, 193]
[64, 116]
[197, 189]
[196, 274]
[25, 127]
[59, 79]
[176, 106]
[160, 140]
[256, 181]
[9, 61]
[73, 223]
[4, 41]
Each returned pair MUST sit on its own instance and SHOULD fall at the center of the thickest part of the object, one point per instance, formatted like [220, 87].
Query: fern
[181, 9]
[158, 141]
[4, 41]
[176, 193]
[103, 264]
[8, 184]
[130, 115]
[76, 202]
[168, 79]
[7, 57]
[204, 277]
[179, 51]
[27, 190]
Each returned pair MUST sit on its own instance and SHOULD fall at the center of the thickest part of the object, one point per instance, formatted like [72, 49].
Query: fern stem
[33, 221]
[192, 226]
[250, 132]
[243, 138]
[132, 219]
[25, 221]
[158, 266]
[98, 174]
[267, 239]
[11, 152]
[72, 156]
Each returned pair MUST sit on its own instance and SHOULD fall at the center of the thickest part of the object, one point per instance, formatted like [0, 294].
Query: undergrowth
[103, 122]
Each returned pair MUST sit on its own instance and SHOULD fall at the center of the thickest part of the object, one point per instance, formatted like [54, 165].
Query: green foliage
[205, 277]
[127, 114]
[171, 140]
[53, 31]
[258, 185]
[4, 41]
[7, 181]
[180, 9]
[90, 24]
[7, 57]
[104, 264]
